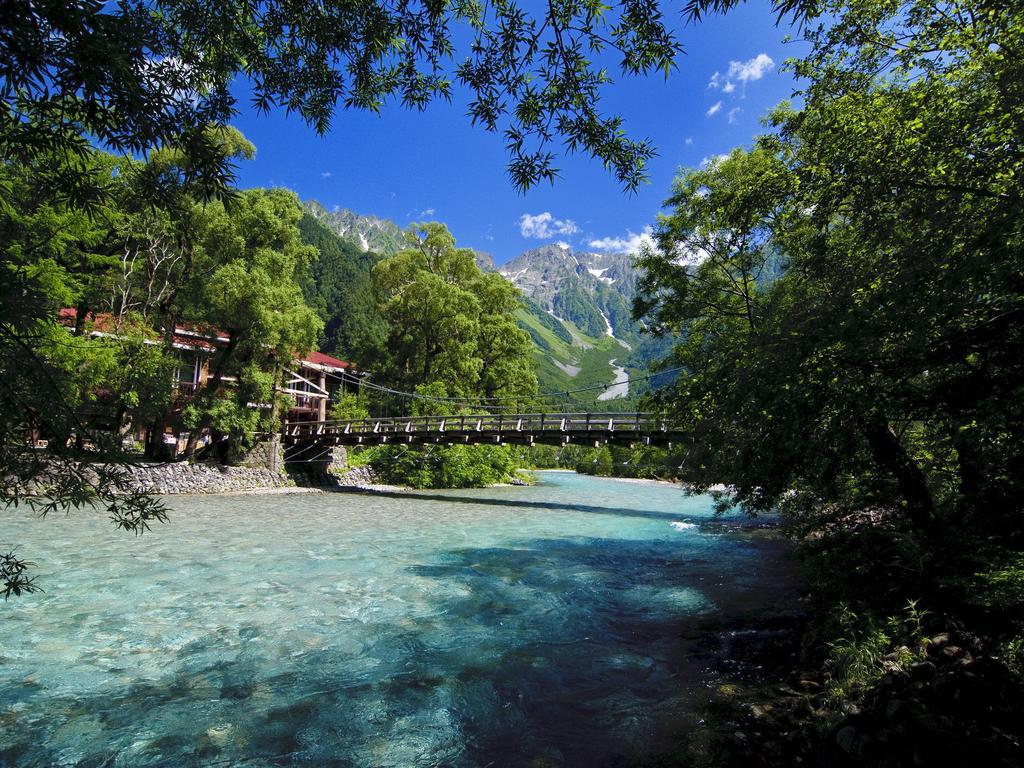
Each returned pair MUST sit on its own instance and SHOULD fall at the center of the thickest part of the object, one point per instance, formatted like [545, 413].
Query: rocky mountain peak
[368, 233]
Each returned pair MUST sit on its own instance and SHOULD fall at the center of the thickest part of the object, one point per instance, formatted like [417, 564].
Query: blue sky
[433, 165]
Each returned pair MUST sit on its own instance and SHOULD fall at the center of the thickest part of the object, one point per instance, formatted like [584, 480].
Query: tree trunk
[891, 456]
[972, 479]
[80, 313]
[275, 404]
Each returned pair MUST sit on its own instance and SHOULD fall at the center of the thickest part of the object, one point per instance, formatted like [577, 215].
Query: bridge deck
[494, 429]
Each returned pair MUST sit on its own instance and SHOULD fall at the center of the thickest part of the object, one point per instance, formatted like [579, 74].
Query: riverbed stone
[846, 739]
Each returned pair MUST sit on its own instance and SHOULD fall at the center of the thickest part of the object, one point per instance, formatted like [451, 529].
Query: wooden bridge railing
[489, 427]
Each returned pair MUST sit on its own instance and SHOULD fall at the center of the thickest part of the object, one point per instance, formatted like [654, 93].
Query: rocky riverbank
[177, 478]
[183, 478]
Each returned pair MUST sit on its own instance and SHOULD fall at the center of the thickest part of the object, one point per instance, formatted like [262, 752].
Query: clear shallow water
[505, 627]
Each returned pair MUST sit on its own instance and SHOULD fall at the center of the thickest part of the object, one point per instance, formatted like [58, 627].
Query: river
[619, 387]
[552, 625]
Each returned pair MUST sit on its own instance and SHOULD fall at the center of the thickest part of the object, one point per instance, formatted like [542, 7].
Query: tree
[449, 322]
[506, 354]
[246, 286]
[138, 269]
[53, 256]
[879, 365]
[454, 341]
[872, 388]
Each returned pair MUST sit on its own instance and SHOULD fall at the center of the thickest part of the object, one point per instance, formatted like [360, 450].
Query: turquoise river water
[548, 626]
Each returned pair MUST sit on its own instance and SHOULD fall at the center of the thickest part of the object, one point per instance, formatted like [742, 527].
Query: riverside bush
[865, 652]
[460, 466]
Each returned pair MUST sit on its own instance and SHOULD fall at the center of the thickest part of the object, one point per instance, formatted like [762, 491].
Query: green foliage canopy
[452, 333]
[134, 76]
[449, 322]
[230, 266]
[878, 365]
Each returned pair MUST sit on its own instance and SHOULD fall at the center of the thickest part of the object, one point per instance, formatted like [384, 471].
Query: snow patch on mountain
[513, 277]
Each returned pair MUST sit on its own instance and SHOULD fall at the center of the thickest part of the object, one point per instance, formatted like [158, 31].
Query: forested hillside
[339, 285]
[365, 233]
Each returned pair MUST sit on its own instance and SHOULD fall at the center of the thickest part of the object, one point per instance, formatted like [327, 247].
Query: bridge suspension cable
[493, 401]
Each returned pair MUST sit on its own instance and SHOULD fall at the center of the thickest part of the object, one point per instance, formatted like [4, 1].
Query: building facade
[309, 381]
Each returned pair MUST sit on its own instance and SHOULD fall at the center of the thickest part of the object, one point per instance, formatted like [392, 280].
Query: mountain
[594, 291]
[485, 261]
[339, 286]
[367, 233]
[578, 311]
[577, 307]
[373, 233]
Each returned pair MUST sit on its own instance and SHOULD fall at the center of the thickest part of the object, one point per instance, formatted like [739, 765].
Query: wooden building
[309, 381]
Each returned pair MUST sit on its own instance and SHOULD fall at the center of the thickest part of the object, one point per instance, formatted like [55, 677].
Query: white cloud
[743, 72]
[715, 109]
[688, 141]
[629, 244]
[326, 175]
[544, 225]
[752, 69]
[734, 114]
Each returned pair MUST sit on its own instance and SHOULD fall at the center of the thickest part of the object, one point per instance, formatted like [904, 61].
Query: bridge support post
[266, 454]
[322, 407]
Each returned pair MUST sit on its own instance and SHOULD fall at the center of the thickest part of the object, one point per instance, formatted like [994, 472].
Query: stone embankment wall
[352, 477]
[266, 454]
[187, 478]
[183, 477]
[204, 478]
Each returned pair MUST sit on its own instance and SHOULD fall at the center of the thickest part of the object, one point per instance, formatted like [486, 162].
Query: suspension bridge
[494, 423]
[590, 429]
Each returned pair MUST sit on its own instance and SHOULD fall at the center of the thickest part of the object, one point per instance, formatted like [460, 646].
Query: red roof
[184, 335]
[319, 358]
[102, 321]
